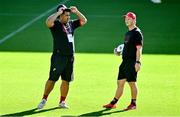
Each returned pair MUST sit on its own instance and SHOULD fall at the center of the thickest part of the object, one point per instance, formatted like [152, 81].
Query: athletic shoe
[41, 104]
[109, 106]
[63, 105]
[131, 107]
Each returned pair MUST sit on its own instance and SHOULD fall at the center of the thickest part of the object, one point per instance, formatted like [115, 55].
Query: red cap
[131, 15]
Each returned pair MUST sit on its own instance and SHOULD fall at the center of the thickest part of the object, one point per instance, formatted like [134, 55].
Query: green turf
[23, 76]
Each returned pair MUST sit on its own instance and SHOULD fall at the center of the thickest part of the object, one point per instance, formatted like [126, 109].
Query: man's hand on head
[60, 11]
[73, 9]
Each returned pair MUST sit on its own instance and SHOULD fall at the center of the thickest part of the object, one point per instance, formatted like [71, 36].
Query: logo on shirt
[127, 38]
[54, 69]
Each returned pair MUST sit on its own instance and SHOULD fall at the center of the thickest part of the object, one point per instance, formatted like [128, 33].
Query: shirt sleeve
[139, 39]
[76, 24]
[55, 24]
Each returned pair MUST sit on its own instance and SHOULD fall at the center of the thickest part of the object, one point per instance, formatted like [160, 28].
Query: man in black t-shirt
[62, 59]
[131, 64]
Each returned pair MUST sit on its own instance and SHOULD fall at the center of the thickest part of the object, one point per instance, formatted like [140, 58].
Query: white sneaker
[41, 104]
[63, 105]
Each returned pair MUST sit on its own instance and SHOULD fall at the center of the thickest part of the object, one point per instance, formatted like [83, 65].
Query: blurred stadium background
[105, 28]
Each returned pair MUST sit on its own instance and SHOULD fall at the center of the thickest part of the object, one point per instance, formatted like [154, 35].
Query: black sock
[133, 101]
[114, 101]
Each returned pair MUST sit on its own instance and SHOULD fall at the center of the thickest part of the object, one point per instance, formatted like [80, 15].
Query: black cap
[63, 6]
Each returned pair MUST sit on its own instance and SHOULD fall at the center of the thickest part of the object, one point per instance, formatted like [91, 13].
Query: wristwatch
[138, 62]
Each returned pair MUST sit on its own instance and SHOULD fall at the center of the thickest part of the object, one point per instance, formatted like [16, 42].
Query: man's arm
[138, 57]
[50, 20]
[81, 17]
[138, 52]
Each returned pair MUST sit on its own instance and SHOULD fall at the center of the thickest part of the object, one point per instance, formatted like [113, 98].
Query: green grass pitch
[23, 76]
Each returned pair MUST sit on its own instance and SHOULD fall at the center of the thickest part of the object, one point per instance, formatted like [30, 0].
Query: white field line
[35, 14]
[28, 23]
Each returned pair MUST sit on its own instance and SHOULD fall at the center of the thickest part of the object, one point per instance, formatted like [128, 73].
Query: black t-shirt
[63, 37]
[132, 39]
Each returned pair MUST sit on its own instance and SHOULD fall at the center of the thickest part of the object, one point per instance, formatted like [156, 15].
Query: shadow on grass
[29, 112]
[101, 113]
[96, 113]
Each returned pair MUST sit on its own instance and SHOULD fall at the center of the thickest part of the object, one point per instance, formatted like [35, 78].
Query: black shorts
[127, 71]
[61, 66]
